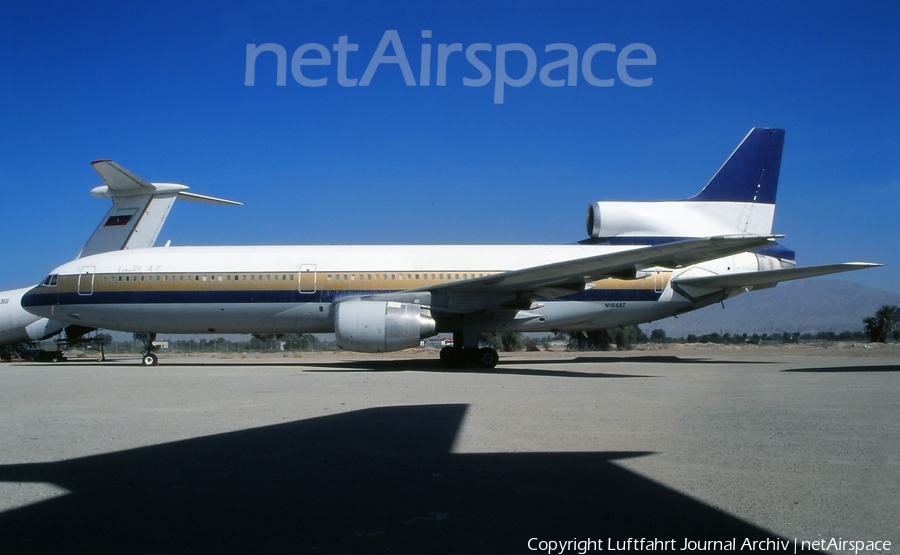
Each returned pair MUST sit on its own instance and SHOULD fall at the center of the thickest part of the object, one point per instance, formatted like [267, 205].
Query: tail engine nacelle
[678, 219]
[381, 326]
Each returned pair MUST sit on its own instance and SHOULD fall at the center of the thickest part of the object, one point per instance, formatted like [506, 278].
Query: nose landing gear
[147, 356]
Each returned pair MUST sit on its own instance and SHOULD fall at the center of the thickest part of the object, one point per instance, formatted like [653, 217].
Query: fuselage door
[307, 278]
[86, 281]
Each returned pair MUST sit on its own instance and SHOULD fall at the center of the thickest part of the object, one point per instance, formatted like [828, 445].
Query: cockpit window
[51, 280]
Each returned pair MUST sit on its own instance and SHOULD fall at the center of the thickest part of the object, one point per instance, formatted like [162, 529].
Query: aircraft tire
[487, 358]
[150, 360]
[458, 357]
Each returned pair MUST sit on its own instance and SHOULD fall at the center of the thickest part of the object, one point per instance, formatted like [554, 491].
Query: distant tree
[491, 340]
[626, 337]
[658, 336]
[884, 324]
[597, 340]
[512, 341]
[11, 352]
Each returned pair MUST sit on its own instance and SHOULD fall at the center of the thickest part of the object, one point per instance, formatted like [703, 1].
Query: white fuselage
[292, 289]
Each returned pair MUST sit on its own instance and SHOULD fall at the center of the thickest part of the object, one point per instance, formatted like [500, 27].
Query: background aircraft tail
[139, 209]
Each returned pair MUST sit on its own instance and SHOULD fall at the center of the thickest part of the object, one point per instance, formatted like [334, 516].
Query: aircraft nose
[40, 300]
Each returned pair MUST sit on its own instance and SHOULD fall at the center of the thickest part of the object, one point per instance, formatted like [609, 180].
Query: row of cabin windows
[279, 277]
[398, 277]
[201, 277]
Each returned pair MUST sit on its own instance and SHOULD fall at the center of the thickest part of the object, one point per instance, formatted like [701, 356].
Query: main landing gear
[457, 357]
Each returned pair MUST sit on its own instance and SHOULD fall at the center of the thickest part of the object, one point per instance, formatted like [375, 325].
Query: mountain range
[805, 306]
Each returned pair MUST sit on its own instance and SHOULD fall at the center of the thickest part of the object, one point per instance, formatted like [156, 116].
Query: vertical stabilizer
[751, 172]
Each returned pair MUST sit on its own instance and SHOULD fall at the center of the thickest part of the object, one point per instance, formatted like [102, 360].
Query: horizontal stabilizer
[119, 179]
[769, 278]
[184, 195]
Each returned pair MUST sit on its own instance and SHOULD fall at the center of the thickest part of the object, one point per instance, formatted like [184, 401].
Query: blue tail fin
[751, 172]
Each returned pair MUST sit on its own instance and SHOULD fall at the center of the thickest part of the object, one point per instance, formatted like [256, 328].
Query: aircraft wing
[768, 278]
[560, 278]
[580, 271]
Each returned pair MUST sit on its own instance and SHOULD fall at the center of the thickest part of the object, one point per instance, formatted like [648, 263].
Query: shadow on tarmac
[847, 369]
[505, 367]
[371, 481]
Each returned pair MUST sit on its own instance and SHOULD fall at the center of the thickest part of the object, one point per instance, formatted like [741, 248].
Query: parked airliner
[138, 211]
[643, 261]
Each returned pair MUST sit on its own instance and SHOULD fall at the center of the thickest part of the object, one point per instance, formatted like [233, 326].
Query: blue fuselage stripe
[263, 296]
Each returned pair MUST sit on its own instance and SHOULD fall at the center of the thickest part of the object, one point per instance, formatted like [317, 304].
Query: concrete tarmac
[393, 453]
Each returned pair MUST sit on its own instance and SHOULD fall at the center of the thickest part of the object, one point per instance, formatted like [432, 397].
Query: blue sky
[160, 88]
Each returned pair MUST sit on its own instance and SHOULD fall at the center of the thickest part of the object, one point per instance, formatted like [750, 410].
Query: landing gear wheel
[487, 357]
[150, 360]
[454, 357]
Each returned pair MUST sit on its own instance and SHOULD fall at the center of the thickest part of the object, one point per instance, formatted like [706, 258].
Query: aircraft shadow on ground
[847, 369]
[648, 359]
[506, 368]
[375, 480]
[400, 365]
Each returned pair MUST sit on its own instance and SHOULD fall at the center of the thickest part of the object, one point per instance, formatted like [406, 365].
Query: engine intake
[381, 326]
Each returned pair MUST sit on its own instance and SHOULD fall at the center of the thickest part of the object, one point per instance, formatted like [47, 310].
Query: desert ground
[343, 452]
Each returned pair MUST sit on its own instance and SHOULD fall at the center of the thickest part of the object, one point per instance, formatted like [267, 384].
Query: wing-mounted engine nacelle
[381, 326]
